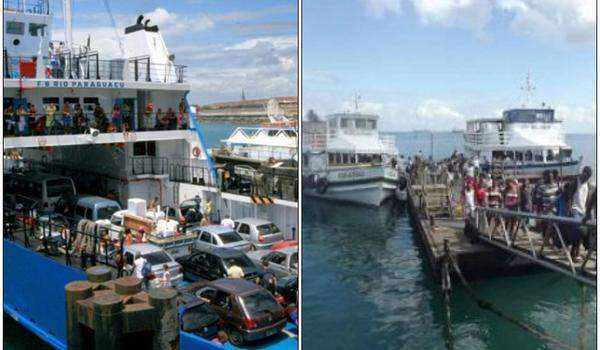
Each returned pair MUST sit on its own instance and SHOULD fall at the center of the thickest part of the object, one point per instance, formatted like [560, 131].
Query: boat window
[371, 124]
[346, 123]
[550, 155]
[144, 148]
[13, 27]
[48, 100]
[497, 155]
[91, 100]
[519, 156]
[529, 156]
[510, 154]
[34, 28]
[331, 158]
[361, 123]
[71, 100]
[539, 156]
[332, 123]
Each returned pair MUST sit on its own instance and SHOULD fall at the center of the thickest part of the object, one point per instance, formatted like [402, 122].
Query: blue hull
[34, 296]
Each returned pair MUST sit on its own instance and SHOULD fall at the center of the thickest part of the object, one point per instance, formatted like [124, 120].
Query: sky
[432, 64]
[227, 46]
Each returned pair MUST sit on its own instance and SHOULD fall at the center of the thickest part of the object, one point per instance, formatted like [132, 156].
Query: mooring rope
[486, 305]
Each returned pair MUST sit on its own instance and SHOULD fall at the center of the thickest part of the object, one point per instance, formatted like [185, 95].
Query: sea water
[367, 284]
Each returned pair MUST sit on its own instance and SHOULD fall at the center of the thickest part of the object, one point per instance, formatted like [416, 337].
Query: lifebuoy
[196, 152]
[322, 185]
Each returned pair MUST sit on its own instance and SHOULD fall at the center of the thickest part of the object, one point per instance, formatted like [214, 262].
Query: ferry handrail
[195, 126]
[553, 218]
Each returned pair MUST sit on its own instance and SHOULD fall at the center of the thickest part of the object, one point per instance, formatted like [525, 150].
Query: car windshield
[157, 258]
[268, 229]
[259, 302]
[106, 212]
[241, 261]
[230, 237]
[116, 220]
[59, 187]
[294, 261]
[187, 205]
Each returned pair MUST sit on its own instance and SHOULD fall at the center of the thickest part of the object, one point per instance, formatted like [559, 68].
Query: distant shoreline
[234, 120]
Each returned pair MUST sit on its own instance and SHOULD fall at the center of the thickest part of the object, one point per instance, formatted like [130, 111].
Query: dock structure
[119, 313]
[494, 242]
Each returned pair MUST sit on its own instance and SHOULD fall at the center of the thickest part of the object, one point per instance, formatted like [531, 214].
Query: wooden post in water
[108, 321]
[164, 300]
[75, 291]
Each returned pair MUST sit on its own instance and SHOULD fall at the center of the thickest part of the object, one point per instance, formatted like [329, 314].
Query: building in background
[248, 111]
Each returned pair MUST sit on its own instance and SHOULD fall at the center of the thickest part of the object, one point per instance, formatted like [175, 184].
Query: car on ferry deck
[261, 233]
[249, 311]
[196, 316]
[281, 262]
[157, 257]
[88, 207]
[212, 264]
[211, 236]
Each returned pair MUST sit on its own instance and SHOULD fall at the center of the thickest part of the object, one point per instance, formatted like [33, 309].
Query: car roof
[253, 221]
[143, 248]
[223, 252]
[92, 200]
[235, 285]
[218, 229]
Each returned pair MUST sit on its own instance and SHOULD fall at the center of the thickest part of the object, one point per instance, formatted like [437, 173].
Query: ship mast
[528, 88]
[356, 99]
[67, 8]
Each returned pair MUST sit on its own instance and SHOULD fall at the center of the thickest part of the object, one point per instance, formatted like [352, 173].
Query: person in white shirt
[138, 264]
[234, 271]
[227, 222]
[581, 193]
[166, 279]
[469, 206]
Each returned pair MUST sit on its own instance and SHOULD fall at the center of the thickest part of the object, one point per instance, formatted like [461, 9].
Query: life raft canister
[322, 185]
[196, 152]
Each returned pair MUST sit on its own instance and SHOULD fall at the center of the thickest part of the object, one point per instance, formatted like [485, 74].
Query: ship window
[332, 123]
[48, 100]
[519, 156]
[529, 156]
[361, 123]
[345, 123]
[34, 28]
[91, 100]
[145, 148]
[539, 156]
[550, 155]
[510, 155]
[371, 124]
[71, 100]
[17, 28]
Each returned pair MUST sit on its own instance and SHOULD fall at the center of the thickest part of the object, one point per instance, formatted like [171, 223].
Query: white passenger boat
[346, 158]
[524, 143]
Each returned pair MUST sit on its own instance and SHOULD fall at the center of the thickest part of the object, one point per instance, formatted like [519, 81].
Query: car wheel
[235, 337]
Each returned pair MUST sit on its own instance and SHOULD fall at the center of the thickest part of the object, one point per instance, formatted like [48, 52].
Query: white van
[45, 188]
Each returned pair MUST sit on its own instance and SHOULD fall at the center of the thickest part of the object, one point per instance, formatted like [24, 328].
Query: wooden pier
[481, 254]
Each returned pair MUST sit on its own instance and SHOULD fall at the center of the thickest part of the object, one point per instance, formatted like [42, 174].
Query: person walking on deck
[578, 208]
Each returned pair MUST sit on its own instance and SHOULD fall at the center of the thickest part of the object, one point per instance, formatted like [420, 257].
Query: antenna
[67, 9]
[528, 88]
[356, 100]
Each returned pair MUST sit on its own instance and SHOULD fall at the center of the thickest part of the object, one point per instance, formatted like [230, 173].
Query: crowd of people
[73, 119]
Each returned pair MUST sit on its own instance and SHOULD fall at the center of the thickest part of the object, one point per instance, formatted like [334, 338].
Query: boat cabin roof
[353, 116]
[527, 115]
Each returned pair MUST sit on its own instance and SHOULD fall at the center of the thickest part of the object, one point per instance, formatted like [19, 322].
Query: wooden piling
[75, 291]
[164, 300]
[99, 274]
[108, 321]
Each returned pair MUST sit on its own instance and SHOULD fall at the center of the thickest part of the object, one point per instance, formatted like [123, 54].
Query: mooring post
[108, 321]
[99, 274]
[166, 331]
[75, 291]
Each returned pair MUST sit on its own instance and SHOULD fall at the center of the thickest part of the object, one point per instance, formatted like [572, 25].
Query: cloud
[567, 21]
[468, 14]
[438, 111]
[379, 8]
[577, 118]
[171, 23]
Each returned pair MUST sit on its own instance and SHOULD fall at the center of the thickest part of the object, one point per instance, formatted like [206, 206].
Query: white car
[211, 236]
[157, 257]
[261, 233]
[280, 262]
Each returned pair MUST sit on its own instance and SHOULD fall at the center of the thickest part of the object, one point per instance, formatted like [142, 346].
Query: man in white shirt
[234, 271]
[138, 264]
[227, 222]
[581, 194]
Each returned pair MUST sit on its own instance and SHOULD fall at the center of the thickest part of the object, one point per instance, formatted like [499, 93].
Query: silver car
[281, 262]
[220, 236]
[157, 257]
[261, 233]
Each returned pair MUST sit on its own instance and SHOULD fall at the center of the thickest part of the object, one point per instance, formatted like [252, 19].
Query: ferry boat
[524, 143]
[156, 149]
[346, 158]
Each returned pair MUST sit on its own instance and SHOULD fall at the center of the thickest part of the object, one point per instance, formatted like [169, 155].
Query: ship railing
[37, 229]
[528, 234]
[149, 165]
[89, 66]
[39, 7]
[488, 138]
[250, 183]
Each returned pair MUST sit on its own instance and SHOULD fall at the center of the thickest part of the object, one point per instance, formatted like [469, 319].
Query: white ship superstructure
[160, 153]
[346, 158]
[524, 143]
